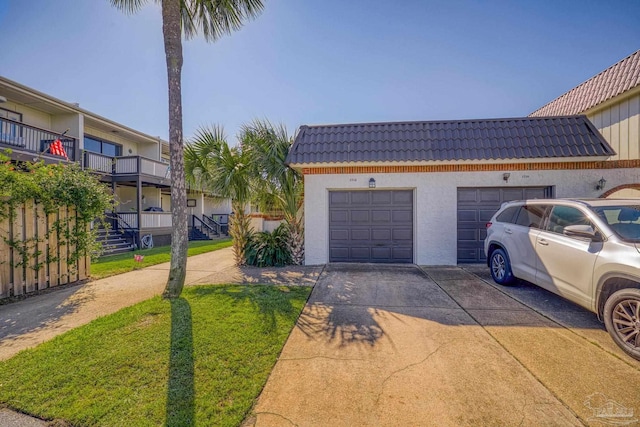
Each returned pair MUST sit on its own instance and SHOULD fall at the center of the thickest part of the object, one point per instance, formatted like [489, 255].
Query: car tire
[622, 320]
[501, 268]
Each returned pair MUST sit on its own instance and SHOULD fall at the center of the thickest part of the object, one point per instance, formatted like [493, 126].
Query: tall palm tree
[212, 165]
[214, 18]
[278, 186]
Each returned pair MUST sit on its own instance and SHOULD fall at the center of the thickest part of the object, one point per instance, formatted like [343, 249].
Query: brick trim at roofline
[493, 167]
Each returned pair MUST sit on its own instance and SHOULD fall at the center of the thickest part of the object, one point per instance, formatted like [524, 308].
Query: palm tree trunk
[172, 32]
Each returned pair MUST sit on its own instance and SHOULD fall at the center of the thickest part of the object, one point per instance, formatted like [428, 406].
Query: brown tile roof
[617, 79]
[485, 139]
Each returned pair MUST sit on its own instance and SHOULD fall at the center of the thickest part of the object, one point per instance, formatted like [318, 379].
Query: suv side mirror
[584, 231]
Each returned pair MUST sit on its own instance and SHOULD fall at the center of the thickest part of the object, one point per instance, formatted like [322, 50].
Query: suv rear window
[531, 215]
[508, 214]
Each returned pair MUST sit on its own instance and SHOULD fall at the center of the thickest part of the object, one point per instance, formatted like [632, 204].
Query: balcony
[125, 165]
[25, 138]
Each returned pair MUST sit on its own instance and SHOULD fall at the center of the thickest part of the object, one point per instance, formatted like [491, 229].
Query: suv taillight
[489, 224]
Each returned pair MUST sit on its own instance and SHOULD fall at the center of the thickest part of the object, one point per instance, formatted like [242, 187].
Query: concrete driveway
[401, 345]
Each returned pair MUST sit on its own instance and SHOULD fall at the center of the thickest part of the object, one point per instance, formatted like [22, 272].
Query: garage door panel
[403, 197]
[360, 197]
[467, 195]
[476, 206]
[381, 216]
[467, 216]
[492, 196]
[399, 234]
[337, 198]
[339, 254]
[361, 234]
[381, 234]
[381, 197]
[401, 253]
[380, 253]
[339, 234]
[359, 216]
[402, 216]
[371, 226]
[360, 253]
[339, 217]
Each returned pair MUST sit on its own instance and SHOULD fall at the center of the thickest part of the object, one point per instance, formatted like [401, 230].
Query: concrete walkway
[387, 346]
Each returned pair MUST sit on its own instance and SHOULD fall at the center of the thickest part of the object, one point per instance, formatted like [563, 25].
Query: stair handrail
[213, 223]
[130, 231]
[223, 227]
[203, 225]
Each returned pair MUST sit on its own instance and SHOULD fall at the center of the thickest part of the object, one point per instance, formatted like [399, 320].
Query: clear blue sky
[316, 62]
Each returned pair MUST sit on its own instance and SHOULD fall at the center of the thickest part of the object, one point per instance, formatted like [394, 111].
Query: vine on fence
[53, 186]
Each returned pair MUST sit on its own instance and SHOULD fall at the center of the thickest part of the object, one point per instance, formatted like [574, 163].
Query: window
[508, 214]
[562, 216]
[10, 132]
[97, 145]
[531, 216]
[623, 220]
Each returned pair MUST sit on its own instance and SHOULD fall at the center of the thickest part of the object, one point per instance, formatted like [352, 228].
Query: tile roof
[617, 79]
[486, 139]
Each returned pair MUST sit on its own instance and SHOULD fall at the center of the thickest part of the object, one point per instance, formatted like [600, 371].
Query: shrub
[266, 249]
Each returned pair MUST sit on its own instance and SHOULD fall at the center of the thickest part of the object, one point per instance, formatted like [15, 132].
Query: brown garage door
[476, 206]
[371, 226]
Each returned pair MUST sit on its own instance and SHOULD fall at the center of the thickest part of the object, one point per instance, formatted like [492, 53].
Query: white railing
[98, 162]
[130, 218]
[151, 167]
[126, 165]
[156, 219]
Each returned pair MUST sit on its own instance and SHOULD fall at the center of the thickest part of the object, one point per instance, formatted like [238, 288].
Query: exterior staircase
[197, 234]
[113, 242]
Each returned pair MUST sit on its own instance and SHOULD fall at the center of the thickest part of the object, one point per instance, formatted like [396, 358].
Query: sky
[319, 62]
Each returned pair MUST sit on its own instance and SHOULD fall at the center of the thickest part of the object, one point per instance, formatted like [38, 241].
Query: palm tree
[278, 186]
[211, 165]
[214, 18]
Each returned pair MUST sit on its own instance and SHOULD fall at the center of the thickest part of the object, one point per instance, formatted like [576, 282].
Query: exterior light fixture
[372, 183]
[506, 176]
[601, 183]
[3, 99]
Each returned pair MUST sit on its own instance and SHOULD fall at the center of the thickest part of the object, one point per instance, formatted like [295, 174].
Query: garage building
[422, 192]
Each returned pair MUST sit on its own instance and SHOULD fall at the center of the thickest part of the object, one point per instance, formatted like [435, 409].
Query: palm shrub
[266, 249]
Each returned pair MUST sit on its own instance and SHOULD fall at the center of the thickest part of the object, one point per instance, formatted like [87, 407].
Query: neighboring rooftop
[486, 139]
[615, 80]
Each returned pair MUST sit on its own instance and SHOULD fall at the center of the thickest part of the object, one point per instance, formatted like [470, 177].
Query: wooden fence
[37, 259]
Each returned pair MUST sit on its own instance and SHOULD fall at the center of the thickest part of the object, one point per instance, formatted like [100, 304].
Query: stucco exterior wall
[435, 202]
[619, 124]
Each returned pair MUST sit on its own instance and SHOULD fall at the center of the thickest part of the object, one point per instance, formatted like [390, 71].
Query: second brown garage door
[476, 206]
[371, 226]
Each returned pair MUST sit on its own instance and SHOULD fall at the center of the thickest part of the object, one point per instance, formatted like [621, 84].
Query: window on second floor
[101, 146]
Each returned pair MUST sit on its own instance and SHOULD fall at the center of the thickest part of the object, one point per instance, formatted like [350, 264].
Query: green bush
[266, 249]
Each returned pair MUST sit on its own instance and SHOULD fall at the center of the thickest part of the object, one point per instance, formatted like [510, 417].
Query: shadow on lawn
[181, 390]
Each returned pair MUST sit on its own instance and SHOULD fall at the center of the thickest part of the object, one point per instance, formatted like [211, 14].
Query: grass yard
[122, 263]
[199, 361]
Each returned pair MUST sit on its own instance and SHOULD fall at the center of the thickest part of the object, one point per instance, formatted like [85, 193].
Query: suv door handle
[508, 231]
[543, 242]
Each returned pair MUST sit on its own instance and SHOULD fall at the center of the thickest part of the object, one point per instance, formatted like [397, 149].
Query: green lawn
[199, 361]
[122, 263]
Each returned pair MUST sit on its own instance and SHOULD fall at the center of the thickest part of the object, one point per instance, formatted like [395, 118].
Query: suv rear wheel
[501, 268]
[622, 320]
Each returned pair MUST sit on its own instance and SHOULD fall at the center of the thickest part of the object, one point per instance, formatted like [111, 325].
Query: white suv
[587, 251]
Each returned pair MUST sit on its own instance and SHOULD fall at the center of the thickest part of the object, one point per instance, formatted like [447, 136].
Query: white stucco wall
[435, 202]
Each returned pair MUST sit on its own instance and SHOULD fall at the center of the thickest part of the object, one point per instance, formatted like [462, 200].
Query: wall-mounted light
[601, 183]
[506, 176]
[2, 99]
[144, 199]
[372, 183]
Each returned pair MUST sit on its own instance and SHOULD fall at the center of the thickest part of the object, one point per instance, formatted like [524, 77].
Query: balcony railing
[126, 165]
[20, 136]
